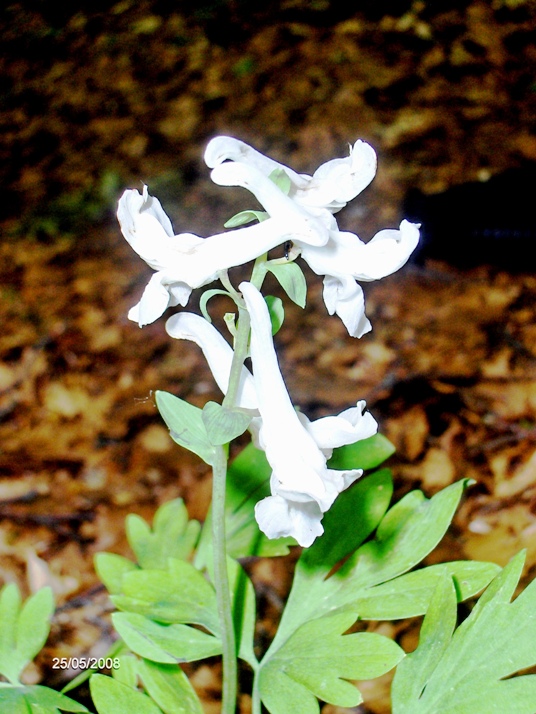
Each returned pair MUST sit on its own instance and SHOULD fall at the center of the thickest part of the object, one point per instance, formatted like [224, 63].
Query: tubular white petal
[154, 301]
[333, 184]
[338, 181]
[295, 458]
[297, 224]
[217, 352]
[223, 148]
[145, 225]
[388, 251]
[186, 261]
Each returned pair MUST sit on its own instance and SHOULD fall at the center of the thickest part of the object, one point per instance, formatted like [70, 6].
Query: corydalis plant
[297, 208]
[304, 484]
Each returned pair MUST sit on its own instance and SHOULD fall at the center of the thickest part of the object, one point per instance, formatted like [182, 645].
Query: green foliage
[277, 312]
[281, 180]
[367, 453]
[291, 278]
[113, 697]
[371, 582]
[244, 217]
[163, 595]
[223, 424]
[470, 670]
[186, 425]
[24, 630]
[317, 659]
[168, 644]
[173, 535]
[36, 700]
[166, 689]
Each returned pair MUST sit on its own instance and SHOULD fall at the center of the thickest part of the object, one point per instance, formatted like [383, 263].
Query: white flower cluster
[303, 487]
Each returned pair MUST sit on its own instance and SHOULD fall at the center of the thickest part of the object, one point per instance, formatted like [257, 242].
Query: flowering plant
[187, 597]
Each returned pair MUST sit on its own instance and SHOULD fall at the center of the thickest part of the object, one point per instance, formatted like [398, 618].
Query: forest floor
[113, 95]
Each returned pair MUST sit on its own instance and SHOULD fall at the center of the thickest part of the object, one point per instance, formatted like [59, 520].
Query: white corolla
[186, 261]
[303, 488]
[340, 256]
[332, 185]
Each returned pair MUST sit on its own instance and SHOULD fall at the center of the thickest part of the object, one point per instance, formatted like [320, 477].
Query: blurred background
[102, 96]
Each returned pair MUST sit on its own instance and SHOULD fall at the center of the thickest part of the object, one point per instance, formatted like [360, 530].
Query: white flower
[345, 259]
[332, 185]
[339, 256]
[303, 487]
[186, 261]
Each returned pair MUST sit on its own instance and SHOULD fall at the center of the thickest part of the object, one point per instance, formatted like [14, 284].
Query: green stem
[221, 583]
[221, 577]
[256, 696]
[240, 354]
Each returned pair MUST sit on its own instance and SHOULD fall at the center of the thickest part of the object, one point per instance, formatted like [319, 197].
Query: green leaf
[277, 312]
[281, 180]
[223, 424]
[111, 568]
[127, 672]
[319, 658]
[179, 594]
[404, 536]
[365, 454]
[167, 644]
[471, 671]
[410, 594]
[173, 535]
[407, 533]
[35, 699]
[352, 518]
[185, 424]
[170, 688]
[24, 628]
[240, 219]
[291, 278]
[113, 697]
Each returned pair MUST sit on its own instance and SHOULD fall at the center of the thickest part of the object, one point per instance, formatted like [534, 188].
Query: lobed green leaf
[319, 658]
[471, 670]
[179, 594]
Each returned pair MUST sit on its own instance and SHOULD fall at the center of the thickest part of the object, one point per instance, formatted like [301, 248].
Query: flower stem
[240, 354]
[219, 470]
[221, 583]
